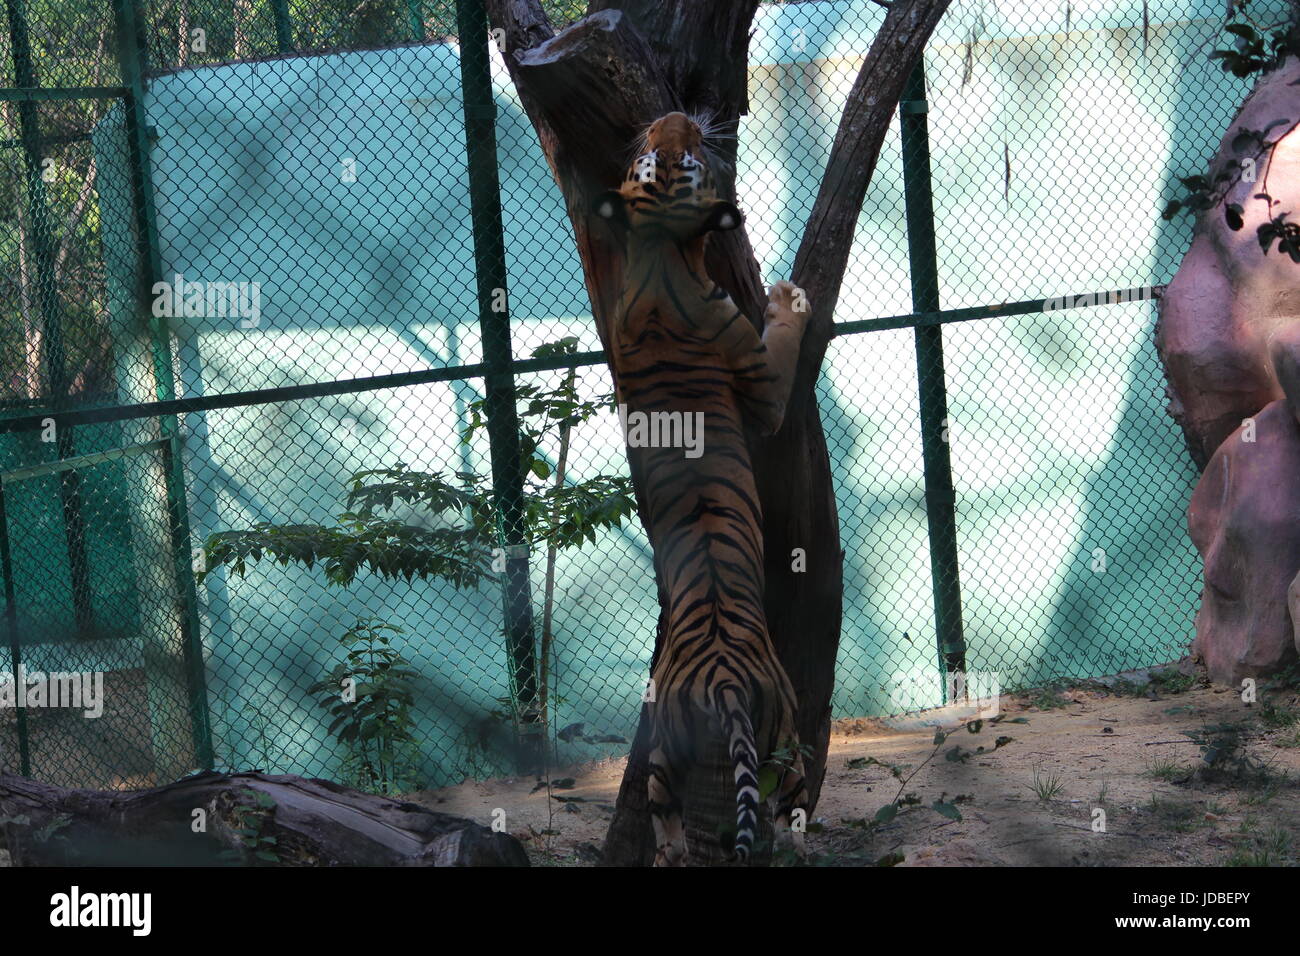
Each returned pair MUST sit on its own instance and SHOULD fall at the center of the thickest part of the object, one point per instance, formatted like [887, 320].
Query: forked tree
[589, 90]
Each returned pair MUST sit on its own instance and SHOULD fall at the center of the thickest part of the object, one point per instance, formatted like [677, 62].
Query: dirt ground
[1115, 754]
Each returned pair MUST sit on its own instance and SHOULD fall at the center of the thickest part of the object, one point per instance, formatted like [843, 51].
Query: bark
[241, 14]
[588, 92]
[183, 28]
[33, 331]
[312, 823]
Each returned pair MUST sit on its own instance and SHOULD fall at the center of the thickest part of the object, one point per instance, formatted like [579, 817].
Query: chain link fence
[291, 192]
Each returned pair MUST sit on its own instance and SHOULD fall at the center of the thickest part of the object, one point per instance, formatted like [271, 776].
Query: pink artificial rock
[1228, 298]
[1245, 521]
[1284, 355]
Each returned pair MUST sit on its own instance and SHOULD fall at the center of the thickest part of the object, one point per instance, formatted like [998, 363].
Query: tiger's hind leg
[666, 810]
[789, 803]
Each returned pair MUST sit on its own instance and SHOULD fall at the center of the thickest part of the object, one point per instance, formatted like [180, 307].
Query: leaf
[939, 737]
[1232, 214]
[948, 810]
[887, 813]
[1245, 140]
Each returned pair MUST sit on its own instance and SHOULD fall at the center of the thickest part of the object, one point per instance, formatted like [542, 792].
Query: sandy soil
[1117, 748]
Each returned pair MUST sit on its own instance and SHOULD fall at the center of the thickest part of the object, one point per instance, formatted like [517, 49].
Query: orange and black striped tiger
[680, 345]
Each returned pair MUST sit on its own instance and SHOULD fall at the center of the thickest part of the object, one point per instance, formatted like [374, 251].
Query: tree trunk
[183, 28]
[588, 92]
[237, 819]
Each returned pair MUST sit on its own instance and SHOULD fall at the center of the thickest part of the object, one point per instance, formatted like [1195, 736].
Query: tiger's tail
[739, 731]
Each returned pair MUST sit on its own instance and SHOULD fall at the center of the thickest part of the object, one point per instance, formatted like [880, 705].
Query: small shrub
[370, 697]
[1047, 784]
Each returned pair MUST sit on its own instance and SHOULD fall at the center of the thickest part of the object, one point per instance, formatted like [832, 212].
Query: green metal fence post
[494, 321]
[940, 501]
[283, 26]
[41, 236]
[131, 54]
[11, 632]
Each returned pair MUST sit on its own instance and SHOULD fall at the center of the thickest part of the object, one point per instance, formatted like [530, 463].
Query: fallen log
[239, 819]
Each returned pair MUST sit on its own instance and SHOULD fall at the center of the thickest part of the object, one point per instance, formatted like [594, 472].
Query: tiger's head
[669, 187]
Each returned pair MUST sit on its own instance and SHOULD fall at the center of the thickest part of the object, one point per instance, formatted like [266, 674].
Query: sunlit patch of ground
[1034, 800]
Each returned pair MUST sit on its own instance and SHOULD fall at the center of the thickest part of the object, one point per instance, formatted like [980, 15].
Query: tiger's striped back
[682, 348]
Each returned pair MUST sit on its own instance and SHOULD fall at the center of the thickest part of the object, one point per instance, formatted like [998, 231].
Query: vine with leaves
[1257, 49]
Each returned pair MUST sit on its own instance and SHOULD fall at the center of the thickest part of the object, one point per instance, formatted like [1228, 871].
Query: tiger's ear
[610, 207]
[722, 217]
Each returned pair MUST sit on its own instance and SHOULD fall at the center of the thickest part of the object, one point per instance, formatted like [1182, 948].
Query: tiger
[680, 344]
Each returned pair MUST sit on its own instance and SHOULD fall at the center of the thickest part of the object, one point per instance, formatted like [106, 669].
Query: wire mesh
[308, 222]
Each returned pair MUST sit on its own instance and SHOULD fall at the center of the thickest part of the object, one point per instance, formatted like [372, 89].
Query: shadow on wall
[1130, 592]
[1151, 588]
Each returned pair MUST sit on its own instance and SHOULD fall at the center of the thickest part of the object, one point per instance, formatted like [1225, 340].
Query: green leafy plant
[450, 529]
[558, 515]
[254, 825]
[361, 539]
[1255, 49]
[375, 721]
[905, 801]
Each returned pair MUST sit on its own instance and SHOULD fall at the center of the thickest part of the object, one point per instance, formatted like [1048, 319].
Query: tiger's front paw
[787, 304]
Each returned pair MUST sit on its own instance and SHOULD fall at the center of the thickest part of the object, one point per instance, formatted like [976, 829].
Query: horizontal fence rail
[290, 393]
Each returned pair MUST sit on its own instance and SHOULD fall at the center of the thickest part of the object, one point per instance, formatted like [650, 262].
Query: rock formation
[1230, 344]
[1229, 296]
